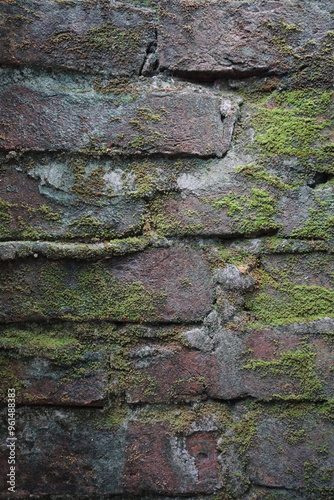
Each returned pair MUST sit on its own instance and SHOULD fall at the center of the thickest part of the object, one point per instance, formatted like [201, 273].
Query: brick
[161, 284]
[171, 121]
[279, 363]
[169, 463]
[42, 382]
[209, 40]
[244, 211]
[76, 35]
[297, 459]
[56, 207]
[71, 451]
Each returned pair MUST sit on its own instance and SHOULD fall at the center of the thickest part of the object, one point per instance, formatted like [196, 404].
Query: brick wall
[166, 227]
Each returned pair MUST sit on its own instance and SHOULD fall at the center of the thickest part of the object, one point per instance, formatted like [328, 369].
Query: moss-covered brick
[241, 40]
[293, 288]
[127, 289]
[296, 124]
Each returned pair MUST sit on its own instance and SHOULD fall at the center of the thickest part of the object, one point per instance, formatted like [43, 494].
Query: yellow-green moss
[320, 222]
[288, 303]
[250, 212]
[291, 123]
[258, 173]
[89, 291]
[297, 366]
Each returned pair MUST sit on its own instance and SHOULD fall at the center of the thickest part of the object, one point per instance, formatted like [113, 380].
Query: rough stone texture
[187, 464]
[91, 37]
[269, 364]
[163, 284]
[146, 121]
[79, 458]
[193, 450]
[240, 211]
[59, 208]
[214, 39]
[166, 249]
[47, 367]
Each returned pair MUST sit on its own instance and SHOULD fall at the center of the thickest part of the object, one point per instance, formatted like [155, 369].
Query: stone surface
[209, 40]
[175, 121]
[68, 453]
[282, 363]
[187, 464]
[240, 211]
[166, 248]
[43, 211]
[62, 208]
[196, 450]
[90, 37]
[51, 366]
[162, 284]
[297, 456]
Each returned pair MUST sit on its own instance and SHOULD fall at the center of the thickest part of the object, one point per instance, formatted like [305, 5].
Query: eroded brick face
[166, 228]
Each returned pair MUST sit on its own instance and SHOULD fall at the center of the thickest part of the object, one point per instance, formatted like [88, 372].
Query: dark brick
[163, 284]
[90, 37]
[146, 121]
[217, 39]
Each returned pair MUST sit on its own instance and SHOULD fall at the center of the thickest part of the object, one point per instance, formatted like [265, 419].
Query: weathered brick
[281, 363]
[72, 452]
[163, 284]
[68, 203]
[169, 463]
[40, 381]
[170, 373]
[84, 36]
[50, 366]
[293, 449]
[171, 121]
[245, 210]
[210, 448]
[216, 39]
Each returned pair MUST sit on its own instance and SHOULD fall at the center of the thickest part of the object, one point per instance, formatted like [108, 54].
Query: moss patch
[294, 123]
[80, 291]
[289, 303]
[298, 365]
[251, 212]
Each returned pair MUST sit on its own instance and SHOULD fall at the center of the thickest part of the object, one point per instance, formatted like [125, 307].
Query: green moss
[144, 383]
[29, 225]
[251, 212]
[9, 378]
[120, 86]
[292, 123]
[298, 365]
[13, 337]
[318, 479]
[106, 38]
[288, 303]
[181, 418]
[241, 432]
[295, 436]
[258, 173]
[52, 343]
[320, 222]
[149, 139]
[87, 291]
[115, 416]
